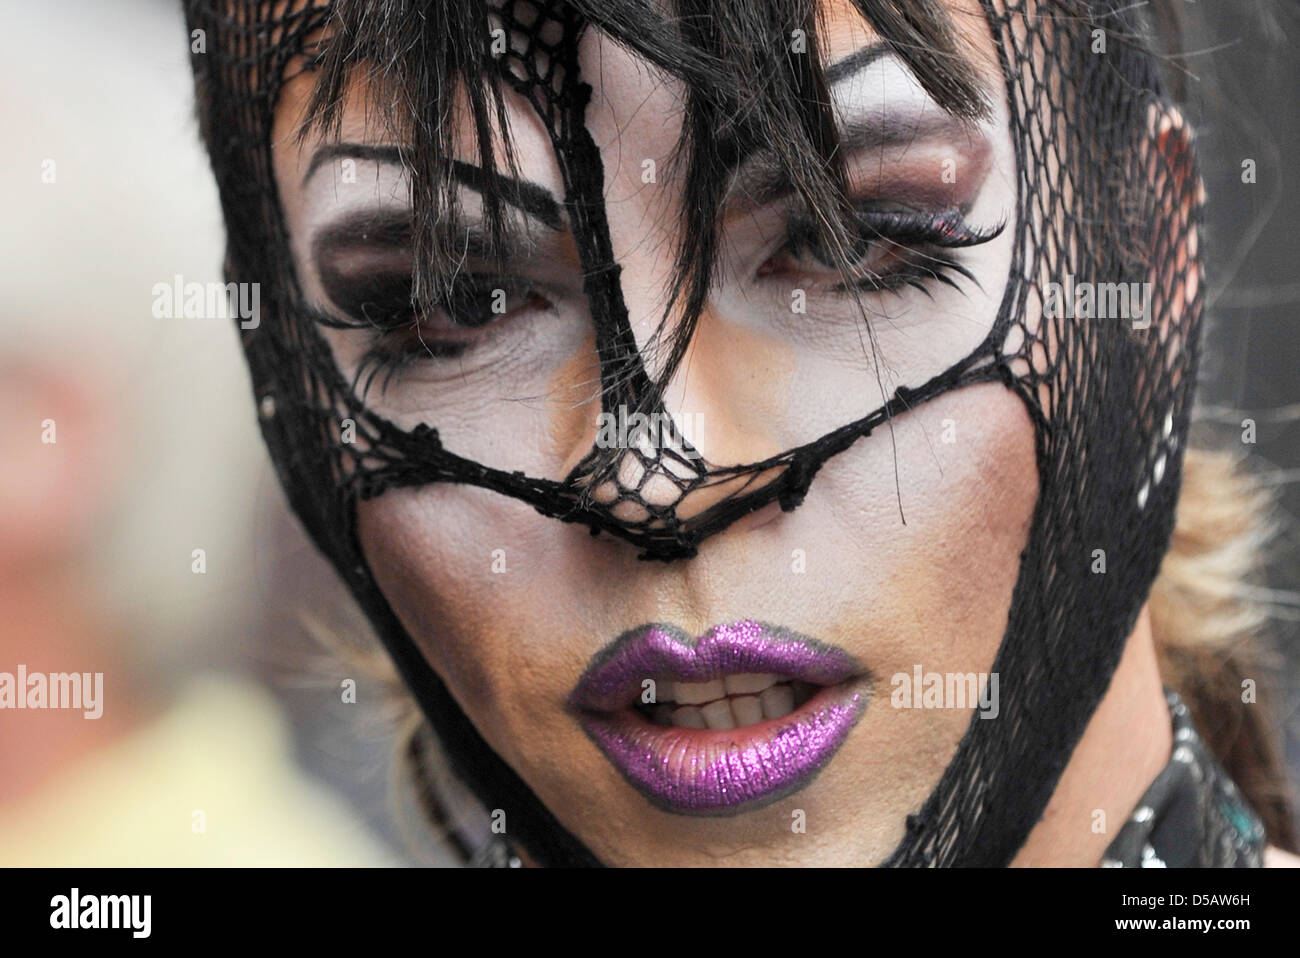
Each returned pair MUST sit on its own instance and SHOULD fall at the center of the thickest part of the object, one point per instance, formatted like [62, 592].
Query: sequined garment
[1192, 816]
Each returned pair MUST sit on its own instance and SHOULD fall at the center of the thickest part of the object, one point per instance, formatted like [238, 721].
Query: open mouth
[743, 715]
[733, 701]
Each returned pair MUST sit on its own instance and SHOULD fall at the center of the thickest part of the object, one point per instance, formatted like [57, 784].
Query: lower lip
[725, 771]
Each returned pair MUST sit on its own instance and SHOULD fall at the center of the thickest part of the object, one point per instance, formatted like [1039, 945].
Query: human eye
[893, 247]
[366, 277]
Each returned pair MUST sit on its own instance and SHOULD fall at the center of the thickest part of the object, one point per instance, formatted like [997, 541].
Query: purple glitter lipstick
[740, 717]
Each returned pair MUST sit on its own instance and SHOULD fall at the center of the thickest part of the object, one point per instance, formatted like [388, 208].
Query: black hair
[420, 57]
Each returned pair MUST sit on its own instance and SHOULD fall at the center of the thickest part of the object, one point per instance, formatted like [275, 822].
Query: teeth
[717, 715]
[748, 683]
[697, 693]
[747, 710]
[689, 717]
[777, 701]
[727, 703]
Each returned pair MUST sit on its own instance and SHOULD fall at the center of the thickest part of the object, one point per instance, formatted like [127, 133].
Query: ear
[1173, 182]
[1169, 217]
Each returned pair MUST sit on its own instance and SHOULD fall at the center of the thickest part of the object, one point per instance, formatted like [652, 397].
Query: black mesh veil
[1107, 194]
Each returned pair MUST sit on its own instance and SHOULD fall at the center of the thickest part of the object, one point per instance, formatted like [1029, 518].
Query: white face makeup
[507, 371]
[509, 606]
[920, 182]
[489, 371]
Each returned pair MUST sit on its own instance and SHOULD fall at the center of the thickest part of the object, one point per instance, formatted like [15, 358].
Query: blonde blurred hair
[1210, 617]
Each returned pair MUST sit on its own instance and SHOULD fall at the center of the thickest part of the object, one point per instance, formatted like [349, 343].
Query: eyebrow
[531, 198]
[855, 63]
[392, 229]
[760, 178]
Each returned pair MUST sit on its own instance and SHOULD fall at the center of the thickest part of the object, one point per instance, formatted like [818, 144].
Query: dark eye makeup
[895, 247]
[365, 270]
[382, 303]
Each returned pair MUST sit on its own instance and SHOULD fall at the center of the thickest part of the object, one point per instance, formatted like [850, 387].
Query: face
[743, 706]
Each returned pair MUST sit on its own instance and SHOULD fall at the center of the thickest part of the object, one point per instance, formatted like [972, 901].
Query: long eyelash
[322, 318]
[376, 361]
[916, 274]
[947, 230]
[920, 233]
[380, 358]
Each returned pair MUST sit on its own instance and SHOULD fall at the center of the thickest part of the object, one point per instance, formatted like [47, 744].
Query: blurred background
[1241, 71]
[229, 737]
[226, 738]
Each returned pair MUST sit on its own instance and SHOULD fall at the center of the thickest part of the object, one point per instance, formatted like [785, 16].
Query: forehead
[636, 113]
[632, 103]
[626, 85]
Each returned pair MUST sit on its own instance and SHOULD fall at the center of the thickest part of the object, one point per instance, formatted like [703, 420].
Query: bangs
[430, 69]
[424, 62]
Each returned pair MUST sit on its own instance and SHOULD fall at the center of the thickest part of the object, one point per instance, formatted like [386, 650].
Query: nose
[677, 462]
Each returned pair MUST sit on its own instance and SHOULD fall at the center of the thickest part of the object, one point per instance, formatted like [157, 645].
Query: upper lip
[613, 678]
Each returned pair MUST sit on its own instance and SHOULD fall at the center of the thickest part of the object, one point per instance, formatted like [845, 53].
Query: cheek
[426, 556]
[977, 503]
[468, 573]
[932, 586]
